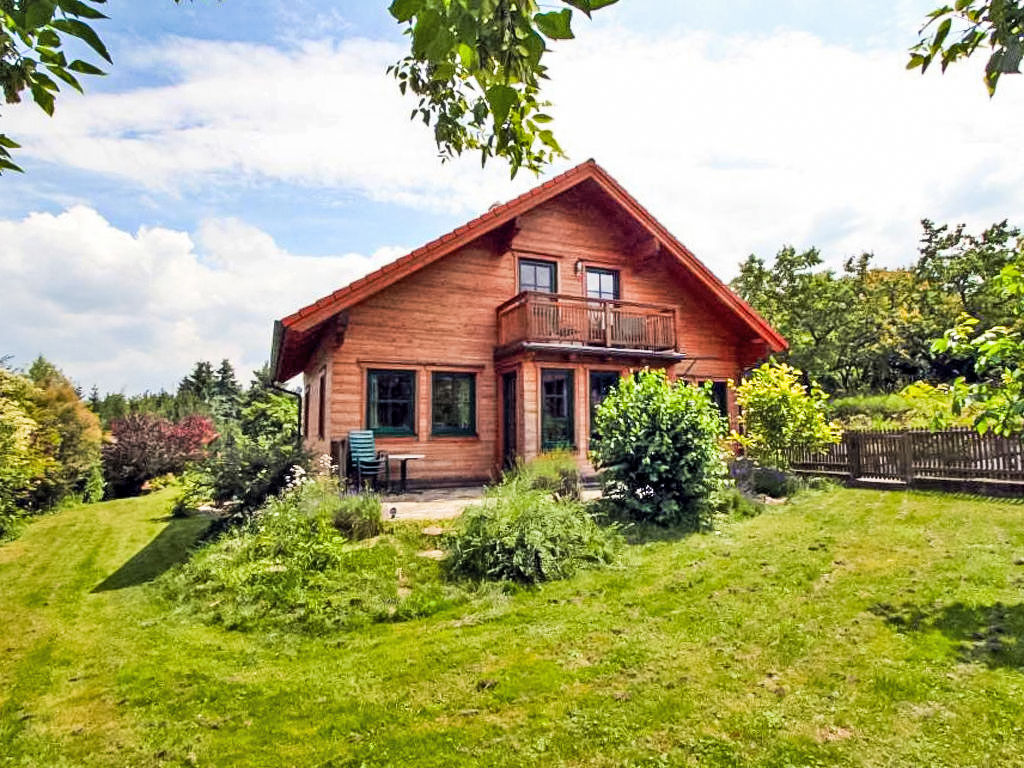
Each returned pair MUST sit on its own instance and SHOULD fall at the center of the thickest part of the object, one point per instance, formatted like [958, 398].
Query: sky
[242, 159]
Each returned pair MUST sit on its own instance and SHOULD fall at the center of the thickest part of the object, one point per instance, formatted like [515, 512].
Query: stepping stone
[433, 530]
[432, 554]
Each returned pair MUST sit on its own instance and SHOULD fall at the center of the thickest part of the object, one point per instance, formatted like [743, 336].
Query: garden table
[405, 458]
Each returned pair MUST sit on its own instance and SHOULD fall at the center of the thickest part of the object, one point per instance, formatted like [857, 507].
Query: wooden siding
[443, 317]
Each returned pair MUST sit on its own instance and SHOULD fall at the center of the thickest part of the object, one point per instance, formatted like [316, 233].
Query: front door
[508, 400]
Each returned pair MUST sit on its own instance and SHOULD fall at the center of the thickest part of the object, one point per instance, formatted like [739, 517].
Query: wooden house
[496, 340]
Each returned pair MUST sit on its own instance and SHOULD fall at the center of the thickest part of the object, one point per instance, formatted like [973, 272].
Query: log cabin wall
[443, 318]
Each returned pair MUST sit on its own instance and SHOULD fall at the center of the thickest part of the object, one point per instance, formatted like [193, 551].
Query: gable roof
[294, 335]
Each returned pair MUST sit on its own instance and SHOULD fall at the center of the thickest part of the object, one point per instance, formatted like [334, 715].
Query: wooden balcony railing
[577, 321]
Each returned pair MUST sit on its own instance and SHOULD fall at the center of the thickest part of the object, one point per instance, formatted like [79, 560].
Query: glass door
[557, 429]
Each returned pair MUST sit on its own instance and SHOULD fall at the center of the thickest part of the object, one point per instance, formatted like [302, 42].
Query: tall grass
[524, 534]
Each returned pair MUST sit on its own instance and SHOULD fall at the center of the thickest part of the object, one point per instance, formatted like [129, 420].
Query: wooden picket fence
[910, 456]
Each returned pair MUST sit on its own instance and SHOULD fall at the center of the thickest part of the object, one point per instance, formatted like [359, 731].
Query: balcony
[557, 320]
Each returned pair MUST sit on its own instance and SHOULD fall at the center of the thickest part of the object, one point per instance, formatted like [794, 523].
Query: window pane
[602, 284]
[453, 396]
[536, 276]
[601, 383]
[557, 427]
[391, 399]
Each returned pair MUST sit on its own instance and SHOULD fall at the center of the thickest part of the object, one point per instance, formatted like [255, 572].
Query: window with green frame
[453, 403]
[557, 428]
[391, 402]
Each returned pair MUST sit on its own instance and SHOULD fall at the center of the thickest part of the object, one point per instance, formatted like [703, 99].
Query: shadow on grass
[170, 547]
[989, 634]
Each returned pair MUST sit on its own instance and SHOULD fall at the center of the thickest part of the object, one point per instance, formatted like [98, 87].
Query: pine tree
[227, 397]
[200, 383]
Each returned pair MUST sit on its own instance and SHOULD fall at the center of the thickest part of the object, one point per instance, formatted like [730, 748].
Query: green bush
[554, 471]
[659, 450]
[358, 516]
[525, 535]
[779, 416]
[918, 406]
[252, 459]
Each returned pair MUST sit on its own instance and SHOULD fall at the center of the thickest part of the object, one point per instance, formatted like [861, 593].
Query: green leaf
[66, 76]
[42, 97]
[404, 10]
[7, 141]
[85, 68]
[501, 98]
[555, 25]
[39, 12]
[78, 8]
[467, 56]
[85, 33]
[48, 38]
[8, 165]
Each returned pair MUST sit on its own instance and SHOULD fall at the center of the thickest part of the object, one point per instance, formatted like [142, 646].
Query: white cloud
[135, 311]
[744, 144]
[739, 144]
[322, 115]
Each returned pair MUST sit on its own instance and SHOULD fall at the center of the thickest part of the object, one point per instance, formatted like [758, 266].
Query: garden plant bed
[848, 627]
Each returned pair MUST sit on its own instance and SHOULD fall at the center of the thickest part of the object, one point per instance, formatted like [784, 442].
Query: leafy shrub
[253, 457]
[71, 433]
[525, 535]
[780, 416]
[49, 444]
[917, 406]
[554, 471]
[144, 446]
[358, 516]
[659, 450]
[21, 463]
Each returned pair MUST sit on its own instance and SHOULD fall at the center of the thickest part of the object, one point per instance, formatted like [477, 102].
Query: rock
[432, 554]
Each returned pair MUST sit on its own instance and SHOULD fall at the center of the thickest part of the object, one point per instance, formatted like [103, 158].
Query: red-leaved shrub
[143, 446]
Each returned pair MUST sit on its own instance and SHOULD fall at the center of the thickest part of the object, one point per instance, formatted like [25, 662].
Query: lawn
[849, 627]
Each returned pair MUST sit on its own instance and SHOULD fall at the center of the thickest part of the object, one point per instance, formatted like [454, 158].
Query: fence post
[907, 443]
[853, 452]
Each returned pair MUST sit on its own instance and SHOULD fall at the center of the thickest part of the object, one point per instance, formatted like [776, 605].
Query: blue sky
[244, 158]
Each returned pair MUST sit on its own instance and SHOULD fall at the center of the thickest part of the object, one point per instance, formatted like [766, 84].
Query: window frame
[321, 406]
[720, 396]
[409, 431]
[600, 271]
[446, 431]
[305, 410]
[551, 265]
[570, 404]
[598, 373]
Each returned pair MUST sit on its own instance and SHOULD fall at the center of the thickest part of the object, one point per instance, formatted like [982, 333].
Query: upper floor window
[602, 284]
[537, 276]
[453, 402]
[391, 402]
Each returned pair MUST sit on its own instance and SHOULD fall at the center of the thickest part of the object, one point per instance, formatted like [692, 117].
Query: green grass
[849, 628]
